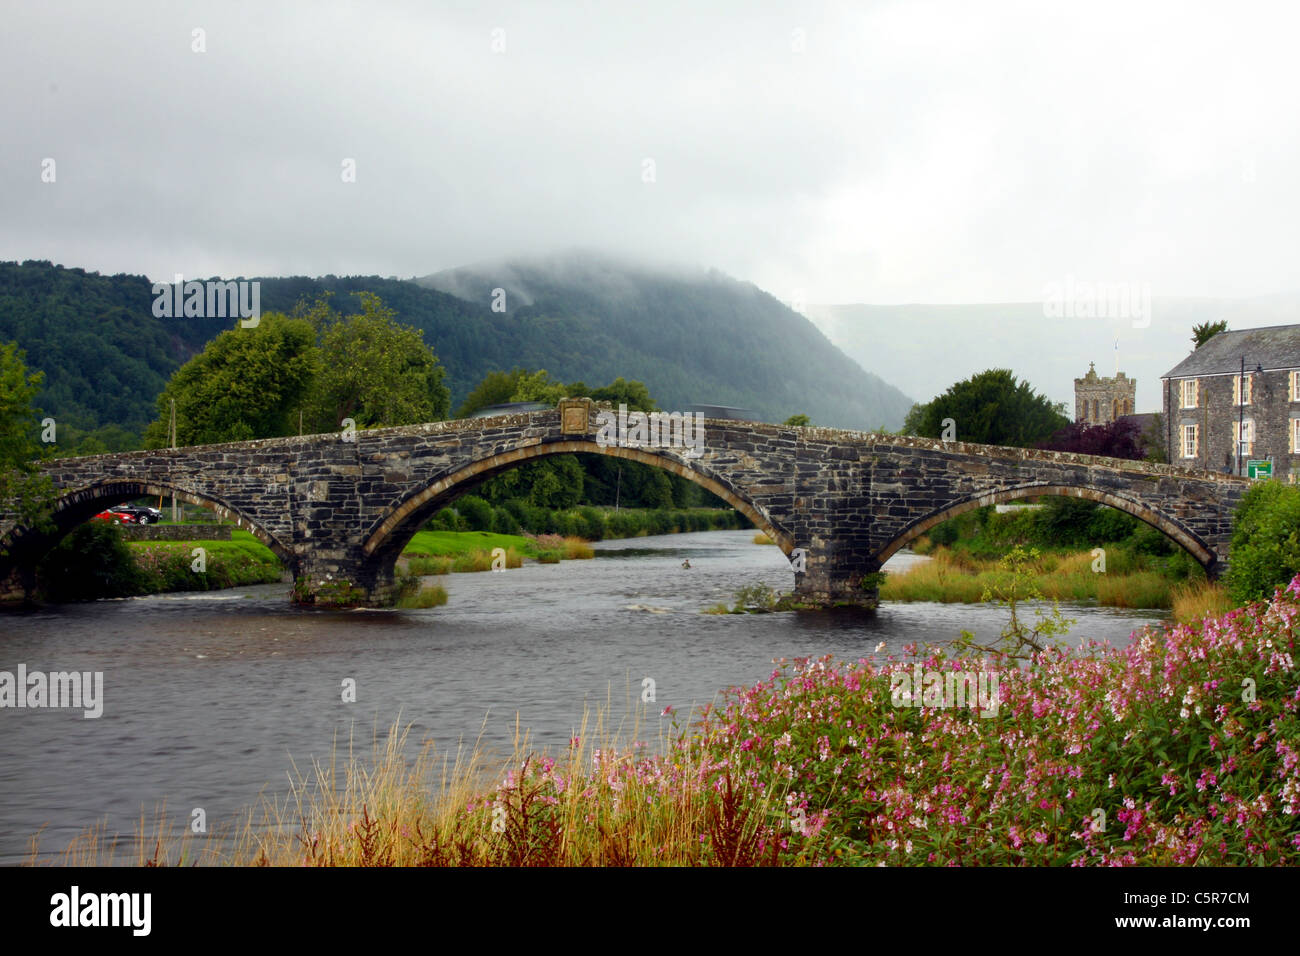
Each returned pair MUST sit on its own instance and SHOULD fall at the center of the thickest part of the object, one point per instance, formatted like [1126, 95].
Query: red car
[117, 517]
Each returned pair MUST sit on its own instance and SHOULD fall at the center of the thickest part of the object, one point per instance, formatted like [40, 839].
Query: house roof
[1142, 420]
[1273, 347]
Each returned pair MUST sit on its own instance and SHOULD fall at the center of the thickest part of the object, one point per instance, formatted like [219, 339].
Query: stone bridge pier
[339, 508]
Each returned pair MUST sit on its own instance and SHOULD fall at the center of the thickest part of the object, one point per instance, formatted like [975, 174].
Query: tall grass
[1199, 599]
[423, 564]
[424, 597]
[958, 577]
[601, 802]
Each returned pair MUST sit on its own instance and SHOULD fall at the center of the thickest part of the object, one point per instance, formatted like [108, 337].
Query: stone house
[1210, 404]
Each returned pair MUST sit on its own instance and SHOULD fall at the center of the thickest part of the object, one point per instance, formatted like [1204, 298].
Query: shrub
[91, 562]
[446, 520]
[755, 597]
[1111, 524]
[661, 522]
[593, 524]
[536, 519]
[503, 522]
[1265, 541]
[1066, 520]
[624, 524]
[945, 533]
[1182, 565]
[476, 513]
[519, 509]
[1149, 540]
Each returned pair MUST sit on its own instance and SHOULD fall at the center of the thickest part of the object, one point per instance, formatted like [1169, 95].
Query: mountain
[693, 336]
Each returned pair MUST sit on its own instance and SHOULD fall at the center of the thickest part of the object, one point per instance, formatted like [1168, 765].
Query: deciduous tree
[992, 408]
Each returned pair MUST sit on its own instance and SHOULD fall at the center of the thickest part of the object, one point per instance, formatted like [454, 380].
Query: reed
[957, 577]
[1196, 600]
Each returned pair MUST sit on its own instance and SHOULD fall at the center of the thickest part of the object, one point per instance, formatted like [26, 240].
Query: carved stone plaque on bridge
[574, 415]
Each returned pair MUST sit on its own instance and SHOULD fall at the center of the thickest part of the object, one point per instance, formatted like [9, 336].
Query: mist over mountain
[694, 336]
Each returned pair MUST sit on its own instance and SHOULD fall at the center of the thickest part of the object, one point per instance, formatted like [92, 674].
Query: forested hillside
[701, 338]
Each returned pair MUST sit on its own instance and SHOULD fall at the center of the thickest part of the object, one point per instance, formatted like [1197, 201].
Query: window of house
[1243, 437]
[1188, 392]
[1236, 388]
[1189, 440]
[1295, 386]
[1295, 436]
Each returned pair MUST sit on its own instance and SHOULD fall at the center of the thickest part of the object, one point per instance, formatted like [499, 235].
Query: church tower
[1099, 401]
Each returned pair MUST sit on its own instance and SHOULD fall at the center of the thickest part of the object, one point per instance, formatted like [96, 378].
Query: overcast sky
[874, 152]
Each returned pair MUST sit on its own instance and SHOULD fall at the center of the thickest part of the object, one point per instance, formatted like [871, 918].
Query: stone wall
[176, 532]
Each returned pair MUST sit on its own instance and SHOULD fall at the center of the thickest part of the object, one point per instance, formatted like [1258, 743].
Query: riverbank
[96, 561]
[1108, 577]
[1147, 754]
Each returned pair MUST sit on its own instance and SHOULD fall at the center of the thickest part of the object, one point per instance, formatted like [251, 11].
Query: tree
[539, 387]
[1205, 331]
[991, 408]
[1117, 439]
[248, 383]
[317, 367]
[374, 370]
[633, 394]
[23, 489]
[912, 423]
[495, 389]
[798, 421]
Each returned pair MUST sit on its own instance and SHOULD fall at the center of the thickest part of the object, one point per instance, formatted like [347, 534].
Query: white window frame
[1250, 389]
[1191, 432]
[1183, 389]
[1295, 436]
[1295, 386]
[1246, 436]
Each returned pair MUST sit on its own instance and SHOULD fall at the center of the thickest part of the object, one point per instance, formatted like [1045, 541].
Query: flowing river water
[211, 699]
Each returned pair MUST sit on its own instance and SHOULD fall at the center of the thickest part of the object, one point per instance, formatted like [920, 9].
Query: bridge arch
[1175, 531]
[78, 505]
[390, 533]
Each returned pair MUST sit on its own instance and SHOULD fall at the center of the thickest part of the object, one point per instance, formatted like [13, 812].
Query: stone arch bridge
[339, 510]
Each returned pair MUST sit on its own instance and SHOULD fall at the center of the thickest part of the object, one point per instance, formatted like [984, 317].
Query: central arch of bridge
[392, 531]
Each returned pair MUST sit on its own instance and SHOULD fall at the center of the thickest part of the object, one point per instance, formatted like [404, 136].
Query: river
[210, 699]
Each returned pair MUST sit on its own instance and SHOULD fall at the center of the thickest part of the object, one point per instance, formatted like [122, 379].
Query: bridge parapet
[339, 507]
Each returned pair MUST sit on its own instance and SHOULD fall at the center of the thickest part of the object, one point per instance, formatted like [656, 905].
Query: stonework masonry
[340, 512]
[1099, 401]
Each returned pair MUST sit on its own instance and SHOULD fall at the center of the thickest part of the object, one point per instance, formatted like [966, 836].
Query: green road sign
[1259, 468]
